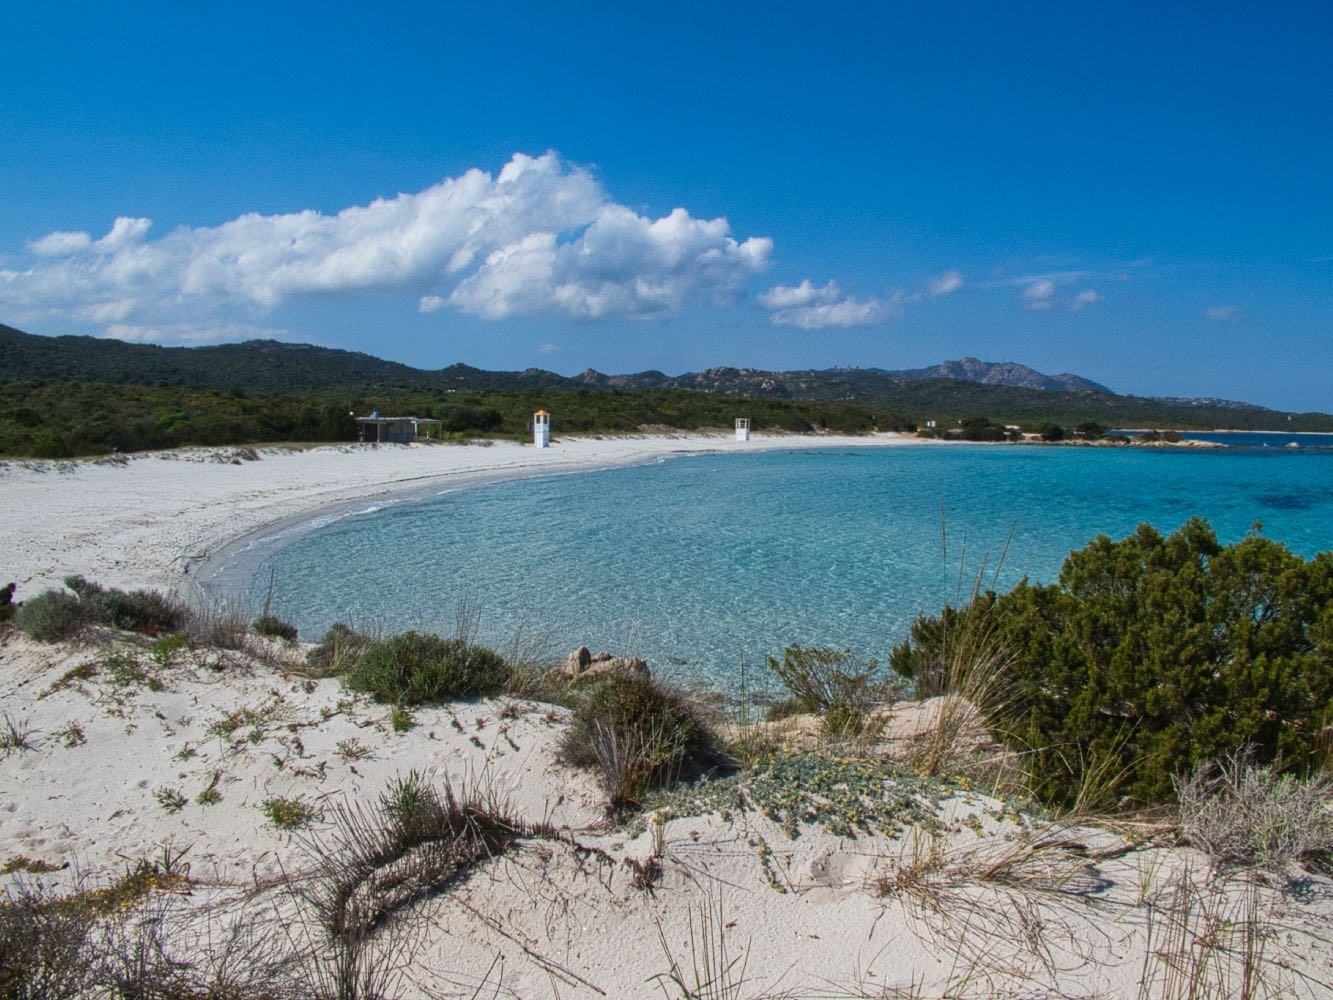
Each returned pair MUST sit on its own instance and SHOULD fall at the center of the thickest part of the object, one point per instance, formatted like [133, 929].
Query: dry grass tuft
[1208, 941]
[1243, 814]
[415, 841]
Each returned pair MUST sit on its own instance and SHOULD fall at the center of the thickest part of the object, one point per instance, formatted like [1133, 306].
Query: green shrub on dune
[144, 611]
[638, 734]
[53, 616]
[415, 668]
[57, 615]
[1158, 655]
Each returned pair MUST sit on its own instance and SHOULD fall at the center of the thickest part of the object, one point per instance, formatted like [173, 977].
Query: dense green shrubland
[1155, 656]
[64, 420]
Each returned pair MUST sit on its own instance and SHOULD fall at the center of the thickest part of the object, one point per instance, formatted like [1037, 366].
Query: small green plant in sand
[170, 799]
[31, 866]
[266, 714]
[209, 795]
[16, 735]
[289, 814]
[164, 649]
[401, 720]
[352, 749]
[71, 735]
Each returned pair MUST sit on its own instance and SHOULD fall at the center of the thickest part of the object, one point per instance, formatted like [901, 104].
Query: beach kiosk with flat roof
[541, 429]
[375, 429]
[742, 428]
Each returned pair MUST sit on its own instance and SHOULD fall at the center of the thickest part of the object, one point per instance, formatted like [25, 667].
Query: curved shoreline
[164, 519]
[203, 576]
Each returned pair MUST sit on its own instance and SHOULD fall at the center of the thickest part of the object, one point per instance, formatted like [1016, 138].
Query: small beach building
[742, 428]
[375, 429]
[541, 429]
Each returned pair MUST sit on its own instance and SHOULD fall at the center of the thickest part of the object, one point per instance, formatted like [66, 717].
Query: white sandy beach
[970, 898]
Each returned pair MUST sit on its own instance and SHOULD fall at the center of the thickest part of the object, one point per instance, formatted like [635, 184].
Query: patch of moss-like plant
[31, 866]
[416, 668]
[164, 649]
[288, 814]
[125, 670]
[844, 797]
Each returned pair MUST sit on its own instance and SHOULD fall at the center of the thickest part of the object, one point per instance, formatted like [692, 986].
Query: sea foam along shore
[152, 519]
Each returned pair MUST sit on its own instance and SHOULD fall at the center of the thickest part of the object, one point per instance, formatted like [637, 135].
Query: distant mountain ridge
[949, 390]
[1004, 373]
[24, 355]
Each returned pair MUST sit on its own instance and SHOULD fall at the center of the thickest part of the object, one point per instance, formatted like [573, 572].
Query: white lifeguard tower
[742, 428]
[541, 429]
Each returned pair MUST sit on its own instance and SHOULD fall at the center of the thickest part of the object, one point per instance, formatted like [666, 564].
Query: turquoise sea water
[697, 562]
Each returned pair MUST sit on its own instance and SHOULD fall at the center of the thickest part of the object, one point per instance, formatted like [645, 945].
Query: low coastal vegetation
[57, 420]
[415, 668]
[638, 734]
[1173, 689]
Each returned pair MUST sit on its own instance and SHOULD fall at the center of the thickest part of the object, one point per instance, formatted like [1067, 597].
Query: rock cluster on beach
[583, 665]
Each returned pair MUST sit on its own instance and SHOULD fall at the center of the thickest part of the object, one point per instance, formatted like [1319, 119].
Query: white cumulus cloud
[623, 264]
[809, 307]
[813, 307]
[1087, 297]
[944, 284]
[794, 296]
[1040, 294]
[541, 236]
[1222, 314]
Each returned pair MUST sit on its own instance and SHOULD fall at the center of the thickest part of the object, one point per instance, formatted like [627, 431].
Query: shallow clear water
[698, 562]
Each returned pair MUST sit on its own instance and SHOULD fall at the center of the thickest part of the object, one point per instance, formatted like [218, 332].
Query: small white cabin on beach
[375, 429]
[541, 429]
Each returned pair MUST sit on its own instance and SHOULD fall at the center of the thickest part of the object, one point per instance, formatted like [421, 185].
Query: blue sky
[1142, 194]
